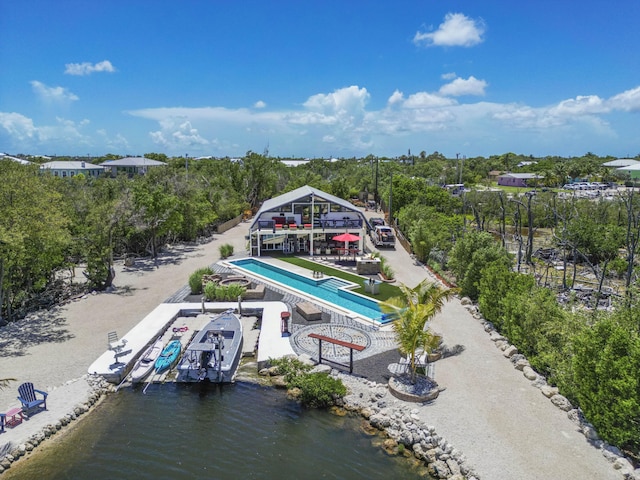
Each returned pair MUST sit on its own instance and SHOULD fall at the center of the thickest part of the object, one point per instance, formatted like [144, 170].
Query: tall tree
[259, 176]
[33, 233]
[156, 206]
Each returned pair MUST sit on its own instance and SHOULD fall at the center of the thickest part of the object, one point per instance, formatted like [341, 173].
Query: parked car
[376, 221]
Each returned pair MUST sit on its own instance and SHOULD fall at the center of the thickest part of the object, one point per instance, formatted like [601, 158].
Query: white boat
[145, 363]
[214, 352]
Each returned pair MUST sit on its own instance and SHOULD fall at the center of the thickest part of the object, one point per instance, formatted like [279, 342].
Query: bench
[309, 311]
[335, 341]
[253, 293]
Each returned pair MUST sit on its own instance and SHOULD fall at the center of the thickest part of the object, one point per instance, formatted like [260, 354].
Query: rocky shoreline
[98, 387]
[400, 422]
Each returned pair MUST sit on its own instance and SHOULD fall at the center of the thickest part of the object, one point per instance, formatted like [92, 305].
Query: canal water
[195, 431]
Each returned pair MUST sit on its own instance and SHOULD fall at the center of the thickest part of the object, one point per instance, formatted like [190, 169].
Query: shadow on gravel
[173, 257]
[45, 327]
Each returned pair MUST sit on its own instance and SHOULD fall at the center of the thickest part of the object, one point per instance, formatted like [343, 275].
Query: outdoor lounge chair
[117, 346]
[29, 400]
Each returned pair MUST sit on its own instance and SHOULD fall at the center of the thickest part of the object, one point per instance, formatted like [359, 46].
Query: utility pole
[377, 198]
[186, 165]
[391, 200]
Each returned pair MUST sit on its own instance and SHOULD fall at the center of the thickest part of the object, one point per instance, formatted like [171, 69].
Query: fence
[229, 224]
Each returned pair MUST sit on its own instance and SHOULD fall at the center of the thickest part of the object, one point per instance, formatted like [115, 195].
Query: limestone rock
[495, 336]
[278, 381]
[561, 402]
[590, 432]
[549, 391]
[439, 469]
[622, 464]
[510, 351]
[529, 373]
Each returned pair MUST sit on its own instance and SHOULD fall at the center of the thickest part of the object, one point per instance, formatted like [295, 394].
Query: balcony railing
[318, 224]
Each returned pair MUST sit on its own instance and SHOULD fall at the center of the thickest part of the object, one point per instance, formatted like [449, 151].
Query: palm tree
[413, 309]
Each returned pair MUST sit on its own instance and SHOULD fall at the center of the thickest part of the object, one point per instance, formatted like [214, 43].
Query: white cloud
[116, 143]
[427, 100]
[396, 98]
[448, 76]
[627, 101]
[22, 132]
[259, 104]
[87, 68]
[457, 30]
[17, 126]
[58, 95]
[460, 86]
[350, 99]
[339, 122]
[581, 105]
[177, 133]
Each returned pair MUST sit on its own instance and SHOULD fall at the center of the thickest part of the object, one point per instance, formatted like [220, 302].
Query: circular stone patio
[303, 344]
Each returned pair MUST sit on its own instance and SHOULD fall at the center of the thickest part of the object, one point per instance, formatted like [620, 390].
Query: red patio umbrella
[346, 238]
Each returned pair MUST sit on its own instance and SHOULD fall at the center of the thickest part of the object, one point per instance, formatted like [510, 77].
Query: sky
[319, 79]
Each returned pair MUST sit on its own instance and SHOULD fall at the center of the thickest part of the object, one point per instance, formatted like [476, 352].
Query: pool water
[330, 289]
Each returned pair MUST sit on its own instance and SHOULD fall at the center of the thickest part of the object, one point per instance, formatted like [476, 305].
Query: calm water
[327, 289]
[202, 431]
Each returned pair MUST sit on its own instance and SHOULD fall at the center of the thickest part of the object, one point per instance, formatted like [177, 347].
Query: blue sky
[320, 78]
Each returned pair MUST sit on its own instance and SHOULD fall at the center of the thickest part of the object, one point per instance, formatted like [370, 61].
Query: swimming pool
[330, 289]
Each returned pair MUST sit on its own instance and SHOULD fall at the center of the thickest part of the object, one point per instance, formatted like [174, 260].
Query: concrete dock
[169, 316]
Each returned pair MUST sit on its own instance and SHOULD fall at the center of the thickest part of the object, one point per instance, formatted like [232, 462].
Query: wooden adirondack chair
[29, 399]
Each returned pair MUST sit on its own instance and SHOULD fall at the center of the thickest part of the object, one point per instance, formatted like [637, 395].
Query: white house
[71, 168]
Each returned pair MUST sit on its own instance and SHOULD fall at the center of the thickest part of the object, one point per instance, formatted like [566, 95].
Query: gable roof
[298, 194]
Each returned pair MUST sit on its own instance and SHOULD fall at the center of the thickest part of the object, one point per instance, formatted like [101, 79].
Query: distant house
[517, 179]
[4, 156]
[131, 165]
[71, 168]
[621, 162]
[632, 170]
[526, 164]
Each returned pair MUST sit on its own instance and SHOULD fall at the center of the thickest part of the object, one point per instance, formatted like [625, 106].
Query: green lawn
[386, 290]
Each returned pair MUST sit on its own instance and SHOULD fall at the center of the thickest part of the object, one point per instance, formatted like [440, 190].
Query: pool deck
[304, 272]
[161, 321]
